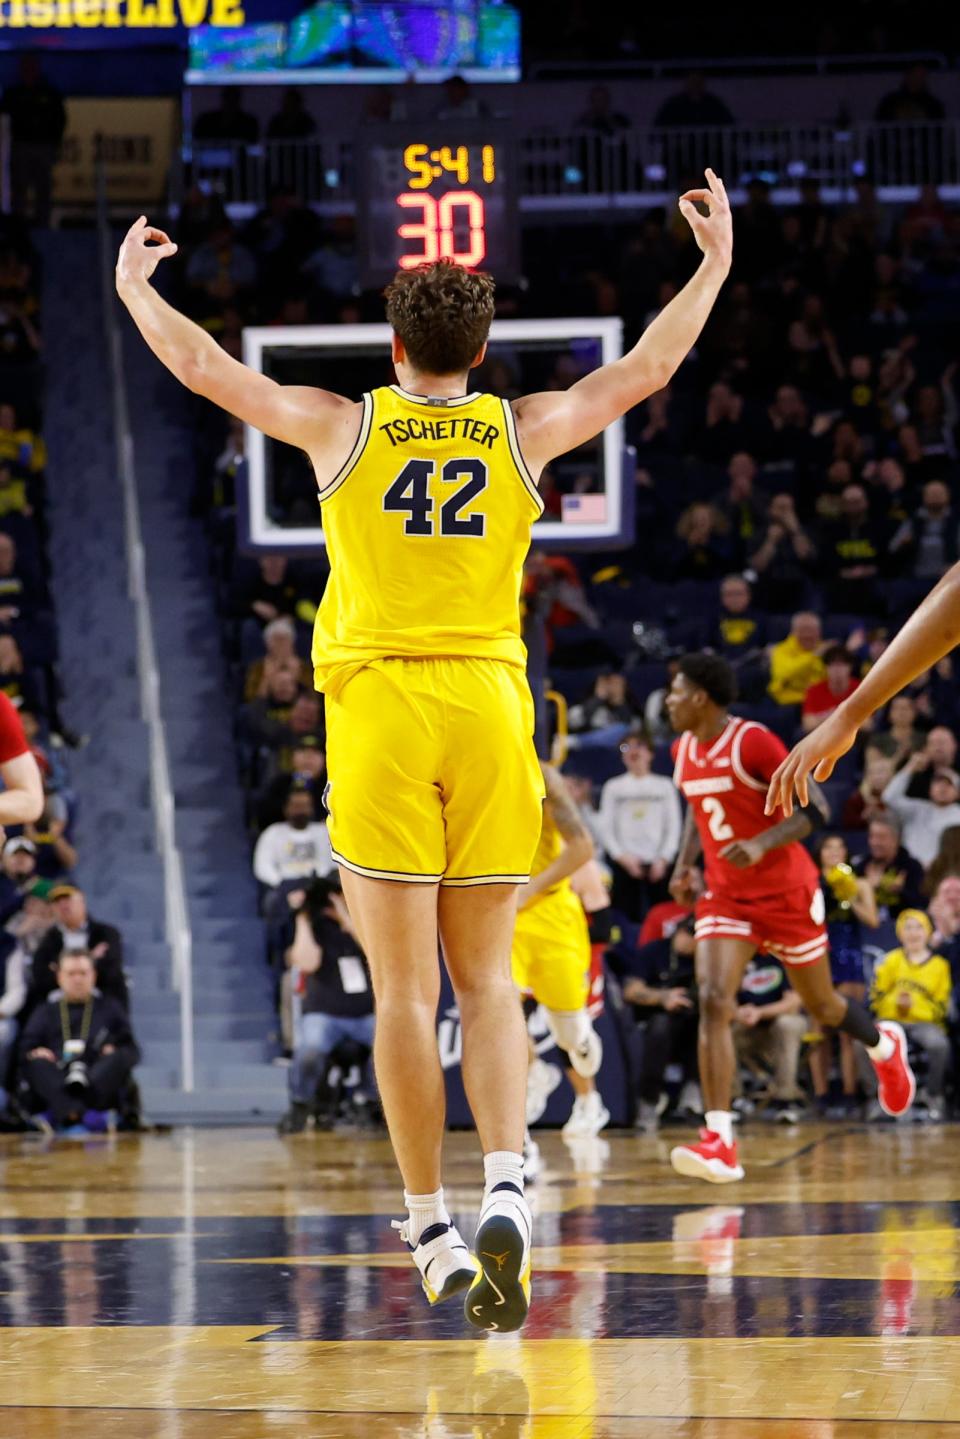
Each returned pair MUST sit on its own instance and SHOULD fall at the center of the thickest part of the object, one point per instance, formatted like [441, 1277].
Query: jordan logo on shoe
[499, 1259]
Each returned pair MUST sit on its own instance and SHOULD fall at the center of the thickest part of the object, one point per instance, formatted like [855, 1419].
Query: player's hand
[743, 852]
[683, 886]
[816, 755]
[143, 248]
[713, 232]
[674, 999]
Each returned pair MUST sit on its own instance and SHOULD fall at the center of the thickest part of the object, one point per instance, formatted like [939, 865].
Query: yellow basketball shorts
[551, 951]
[433, 774]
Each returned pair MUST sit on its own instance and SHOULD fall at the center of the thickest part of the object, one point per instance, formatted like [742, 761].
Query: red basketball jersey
[725, 784]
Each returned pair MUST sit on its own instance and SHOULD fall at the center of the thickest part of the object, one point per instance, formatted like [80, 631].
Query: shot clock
[437, 191]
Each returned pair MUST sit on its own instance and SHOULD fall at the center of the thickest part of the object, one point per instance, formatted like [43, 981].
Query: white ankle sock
[720, 1121]
[883, 1049]
[502, 1166]
[424, 1210]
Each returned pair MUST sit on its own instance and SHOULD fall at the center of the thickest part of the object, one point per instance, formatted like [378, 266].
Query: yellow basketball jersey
[427, 528]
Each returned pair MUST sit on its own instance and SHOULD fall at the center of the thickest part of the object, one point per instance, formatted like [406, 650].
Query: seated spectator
[912, 101]
[662, 988]
[853, 556]
[460, 102]
[610, 706]
[640, 823]
[18, 870]
[656, 720]
[332, 995]
[15, 682]
[56, 856]
[13, 493]
[895, 877]
[20, 447]
[77, 1048]
[279, 637]
[939, 752]
[923, 821]
[269, 592]
[29, 926]
[925, 544]
[693, 105]
[229, 121]
[902, 738]
[265, 722]
[19, 594]
[742, 505]
[944, 910]
[768, 1027]
[867, 802]
[308, 772]
[947, 861]
[850, 904]
[74, 931]
[725, 427]
[823, 698]
[703, 550]
[220, 266]
[912, 986]
[786, 436]
[739, 630]
[785, 558]
[796, 663]
[297, 848]
[292, 121]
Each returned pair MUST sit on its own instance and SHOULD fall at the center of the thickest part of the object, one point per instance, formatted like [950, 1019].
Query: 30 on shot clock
[438, 191]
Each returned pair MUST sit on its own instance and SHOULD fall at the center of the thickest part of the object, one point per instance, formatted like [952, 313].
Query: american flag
[584, 509]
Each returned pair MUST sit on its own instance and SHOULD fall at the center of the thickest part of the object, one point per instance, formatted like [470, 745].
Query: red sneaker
[710, 1159]
[896, 1085]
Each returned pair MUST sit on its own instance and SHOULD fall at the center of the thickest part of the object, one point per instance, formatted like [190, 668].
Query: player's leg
[848, 1057]
[720, 963]
[476, 930]
[398, 925]
[492, 794]
[885, 1042]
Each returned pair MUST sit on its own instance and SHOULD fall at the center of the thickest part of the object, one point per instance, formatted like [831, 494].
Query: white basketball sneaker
[588, 1116]
[499, 1298]
[445, 1263]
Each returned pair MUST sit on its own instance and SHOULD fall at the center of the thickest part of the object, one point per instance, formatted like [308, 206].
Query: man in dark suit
[74, 930]
[77, 1047]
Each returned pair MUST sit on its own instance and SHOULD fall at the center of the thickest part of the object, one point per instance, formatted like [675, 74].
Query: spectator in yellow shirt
[19, 445]
[912, 986]
[796, 663]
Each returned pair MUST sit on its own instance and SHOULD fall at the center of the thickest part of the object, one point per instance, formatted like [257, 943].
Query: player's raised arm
[298, 414]
[552, 423]
[931, 632]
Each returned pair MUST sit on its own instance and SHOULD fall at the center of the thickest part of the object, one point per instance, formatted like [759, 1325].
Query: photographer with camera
[77, 1048]
[332, 994]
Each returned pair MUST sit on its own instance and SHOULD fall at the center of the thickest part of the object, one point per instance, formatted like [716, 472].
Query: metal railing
[559, 169]
[176, 912]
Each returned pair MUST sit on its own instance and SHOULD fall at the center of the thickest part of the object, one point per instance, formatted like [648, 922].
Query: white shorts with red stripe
[788, 926]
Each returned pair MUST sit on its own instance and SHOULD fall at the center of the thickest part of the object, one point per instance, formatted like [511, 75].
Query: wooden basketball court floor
[230, 1285]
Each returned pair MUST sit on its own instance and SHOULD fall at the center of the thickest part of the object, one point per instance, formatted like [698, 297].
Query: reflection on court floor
[233, 1284]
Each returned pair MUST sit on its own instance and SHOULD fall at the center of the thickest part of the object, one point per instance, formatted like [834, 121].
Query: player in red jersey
[21, 800]
[762, 893]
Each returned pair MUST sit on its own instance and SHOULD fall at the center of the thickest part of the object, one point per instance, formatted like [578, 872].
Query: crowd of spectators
[64, 1000]
[797, 490]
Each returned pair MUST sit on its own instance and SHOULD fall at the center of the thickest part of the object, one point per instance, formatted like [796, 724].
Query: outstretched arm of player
[931, 632]
[298, 414]
[682, 885]
[745, 852]
[577, 844]
[554, 422]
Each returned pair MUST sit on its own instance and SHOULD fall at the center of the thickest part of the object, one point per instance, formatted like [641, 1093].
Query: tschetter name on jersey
[717, 784]
[399, 432]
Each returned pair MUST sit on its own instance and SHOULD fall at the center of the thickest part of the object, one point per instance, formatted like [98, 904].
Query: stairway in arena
[119, 864]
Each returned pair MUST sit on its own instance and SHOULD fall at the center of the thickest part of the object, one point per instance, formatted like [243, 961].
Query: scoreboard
[435, 191]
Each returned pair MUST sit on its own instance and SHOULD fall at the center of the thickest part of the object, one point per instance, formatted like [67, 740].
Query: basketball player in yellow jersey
[428, 495]
[551, 952]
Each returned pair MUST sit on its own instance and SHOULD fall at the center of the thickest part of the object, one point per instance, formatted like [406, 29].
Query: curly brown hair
[442, 313]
